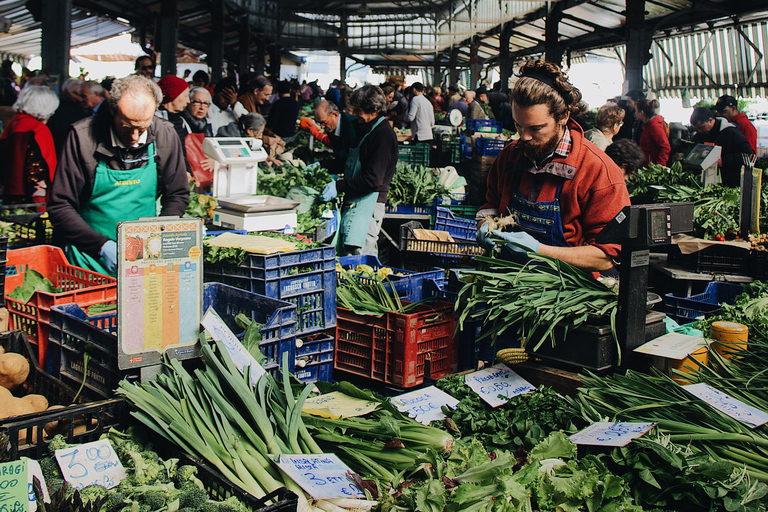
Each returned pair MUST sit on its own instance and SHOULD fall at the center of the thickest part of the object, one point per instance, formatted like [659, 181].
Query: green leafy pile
[750, 309]
[524, 421]
[639, 184]
[33, 282]
[415, 185]
[236, 255]
[277, 181]
[716, 208]
[200, 205]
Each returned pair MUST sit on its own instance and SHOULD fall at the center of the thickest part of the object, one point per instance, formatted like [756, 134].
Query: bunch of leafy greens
[639, 184]
[34, 281]
[415, 185]
[200, 205]
[251, 336]
[523, 421]
[277, 181]
[236, 255]
[750, 309]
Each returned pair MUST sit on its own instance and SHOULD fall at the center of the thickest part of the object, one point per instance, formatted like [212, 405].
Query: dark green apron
[117, 196]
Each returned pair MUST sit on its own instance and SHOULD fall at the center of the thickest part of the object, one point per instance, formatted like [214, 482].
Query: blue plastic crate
[408, 286]
[232, 231]
[489, 147]
[458, 228]
[316, 353]
[687, 309]
[71, 327]
[315, 372]
[484, 126]
[403, 209]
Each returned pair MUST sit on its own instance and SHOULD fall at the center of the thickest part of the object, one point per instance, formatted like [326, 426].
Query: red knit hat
[172, 86]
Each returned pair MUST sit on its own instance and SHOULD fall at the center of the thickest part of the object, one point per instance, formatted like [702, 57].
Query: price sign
[499, 380]
[34, 470]
[736, 409]
[240, 356]
[323, 476]
[336, 405]
[94, 463]
[610, 433]
[14, 488]
[424, 404]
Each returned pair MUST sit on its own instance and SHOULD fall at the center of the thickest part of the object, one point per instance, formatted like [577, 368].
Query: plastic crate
[484, 126]
[467, 349]
[306, 279]
[458, 228]
[3, 260]
[314, 357]
[416, 154]
[403, 209]
[31, 227]
[445, 252]
[81, 286]
[408, 286]
[687, 309]
[759, 265]
[72, 329]
[489, 147]
[394, 348]
[723, 259]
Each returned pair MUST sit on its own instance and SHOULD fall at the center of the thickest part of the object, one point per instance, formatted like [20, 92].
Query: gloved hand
[109, 254]
[306, 123]
[483, 237]
[525, 242]
[312, 166]
[329, 192]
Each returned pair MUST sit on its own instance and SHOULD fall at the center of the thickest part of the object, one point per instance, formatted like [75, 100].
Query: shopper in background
[421, 115]
[175, 100]
[285, 111]
[627, 155]
[93, 94]
[225, 108]
[340, 135]
[69, 112]
[196, 122]
[608, 122]
[654, 139]
[632, 127]
[436, 99]
[257, 93]
[728, 107]
[26, 147]
[145, 66]
[736, 150]
[474, 109]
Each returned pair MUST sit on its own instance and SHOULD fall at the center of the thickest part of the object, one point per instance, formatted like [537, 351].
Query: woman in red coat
[654, 140]
[26, 147]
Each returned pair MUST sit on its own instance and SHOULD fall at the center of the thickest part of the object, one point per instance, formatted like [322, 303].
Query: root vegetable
[499, 222]
[52, 428]
[14, 369]
[5, 392]
[39, 402]
[10, 406]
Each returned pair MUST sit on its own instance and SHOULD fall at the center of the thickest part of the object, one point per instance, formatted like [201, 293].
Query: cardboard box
[483, 160]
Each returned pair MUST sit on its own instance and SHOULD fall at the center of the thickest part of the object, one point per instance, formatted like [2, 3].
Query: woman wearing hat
[175, 100]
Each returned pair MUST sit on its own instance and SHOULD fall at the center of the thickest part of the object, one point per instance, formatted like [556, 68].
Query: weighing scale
[456, 118]
[703, 158]
[234, 186]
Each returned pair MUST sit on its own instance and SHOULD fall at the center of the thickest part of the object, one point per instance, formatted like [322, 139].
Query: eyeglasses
[131, 160]
[148, 68]
[201, 103]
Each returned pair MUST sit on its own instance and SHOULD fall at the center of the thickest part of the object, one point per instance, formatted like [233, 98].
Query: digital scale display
[699, 153]
[659, 226]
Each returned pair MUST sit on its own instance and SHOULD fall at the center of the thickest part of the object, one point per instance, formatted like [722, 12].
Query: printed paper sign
[672, 346]
[736, 409]
[94, 463]
[424, 404]
[34, 470]
[322, 476]
[14, 488]
[337, 405]
[498, 380]
[610, 433]
[240, 356]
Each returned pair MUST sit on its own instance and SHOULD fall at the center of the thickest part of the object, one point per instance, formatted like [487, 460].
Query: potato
[14, 369]
[39, 402]
[52, 428]
[14, 407]
[23, 436]
[5, 392]
[2, 349]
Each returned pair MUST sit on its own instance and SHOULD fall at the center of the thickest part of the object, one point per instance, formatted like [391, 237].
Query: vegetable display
[715, 212]
[415, 185]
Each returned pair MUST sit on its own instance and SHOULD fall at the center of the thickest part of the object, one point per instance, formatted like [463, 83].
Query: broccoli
[58, 443]
[146, 469]
[90, 493]
[232, 504]
[50, 468]
[154, 499]
[192, 497]
[187, 475]
[116, 498]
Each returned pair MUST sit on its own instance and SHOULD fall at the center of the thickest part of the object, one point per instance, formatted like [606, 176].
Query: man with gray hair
[113, 167]
[92, 93]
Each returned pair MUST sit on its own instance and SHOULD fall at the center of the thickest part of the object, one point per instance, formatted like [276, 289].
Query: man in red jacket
[560, 187]
[728, 107]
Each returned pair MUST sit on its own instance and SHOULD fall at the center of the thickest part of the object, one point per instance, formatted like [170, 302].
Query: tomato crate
[415, 154]
[687, 309]
[72, 330]
[314, 356]
[395, 347]
[458, 228]
[484, 126]
[408, 285]
[306, 279]
[489, 147]
[80, 286]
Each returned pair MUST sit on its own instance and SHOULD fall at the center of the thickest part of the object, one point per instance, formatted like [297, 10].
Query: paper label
[734, 408]
[34, 470]
[322, 476]
[94, 463]
[610, 433]
[672, 346]
[424, 405]
[497, 380]
[14, 488]
[240, 356]
[336, 405]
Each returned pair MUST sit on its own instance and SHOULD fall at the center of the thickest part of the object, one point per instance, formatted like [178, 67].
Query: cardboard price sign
[498, 380]
[14, 487]
[240, 356]
[323, 476]
[610, 433]
[94, 463]
[424, 405]
[726, 404]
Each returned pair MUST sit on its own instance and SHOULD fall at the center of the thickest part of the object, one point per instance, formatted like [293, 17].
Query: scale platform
[256, 213]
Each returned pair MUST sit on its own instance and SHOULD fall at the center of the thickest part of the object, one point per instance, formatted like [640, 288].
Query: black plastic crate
[723, 259]
[31, 227]
[759, 265]
[3, 261]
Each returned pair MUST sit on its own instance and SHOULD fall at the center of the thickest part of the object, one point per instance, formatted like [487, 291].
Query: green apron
[357, 211]
[117, 196]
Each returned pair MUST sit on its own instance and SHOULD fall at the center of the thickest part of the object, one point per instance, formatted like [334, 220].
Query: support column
[436, 77]
[343, 48]
[505, 63]
[274, 62]
[552, 49]
[638, 45]
[169, 36]
[474, 66]
[453, 63]
[56, 31]
[244, 61]
[258, 63]
[216, 55]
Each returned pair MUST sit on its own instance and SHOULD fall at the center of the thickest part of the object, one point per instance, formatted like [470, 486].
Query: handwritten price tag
[736, 409]
[424, 404]
[323, 476]
[498, 380]
[610, 433]
[14, 489]
[93, 463]
[240, 356]
[336, 404]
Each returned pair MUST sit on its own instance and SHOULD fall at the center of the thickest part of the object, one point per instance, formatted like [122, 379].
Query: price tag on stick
[323, 476]
[726, 404]
[498, 380]
[94, 463]
[14, 488]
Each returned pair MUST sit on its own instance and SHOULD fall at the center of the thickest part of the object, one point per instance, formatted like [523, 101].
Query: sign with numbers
[14, 488]
[424, 405]
[240, 356]
[610, 433]
[94, 463]
[498, 380]
[726, 404]
[336, 405]
[322, 476]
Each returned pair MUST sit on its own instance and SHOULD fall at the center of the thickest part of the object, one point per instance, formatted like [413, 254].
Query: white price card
[424, 405]
[94, 463]
[240, 356]
[672, 346]
[734, 408]
[322, 476]
[610, 433]
[336, 405]
[498, 380]
[34, 470]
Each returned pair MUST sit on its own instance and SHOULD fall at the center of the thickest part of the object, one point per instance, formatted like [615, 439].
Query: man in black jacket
[736, 150]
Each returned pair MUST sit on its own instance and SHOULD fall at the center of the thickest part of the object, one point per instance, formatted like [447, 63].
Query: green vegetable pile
[34, 281]
[415, 185]
[200, 205]
[716, 208]
[639, 184]
[235, 255]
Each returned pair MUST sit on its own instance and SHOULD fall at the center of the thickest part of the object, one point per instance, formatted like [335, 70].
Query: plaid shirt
[563, 149]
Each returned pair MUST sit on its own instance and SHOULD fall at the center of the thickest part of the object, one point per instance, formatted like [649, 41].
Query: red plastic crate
[82, 287]
[393, 348]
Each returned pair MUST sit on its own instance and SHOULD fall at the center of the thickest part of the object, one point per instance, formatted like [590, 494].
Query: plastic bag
[304, 195]
[195, 157]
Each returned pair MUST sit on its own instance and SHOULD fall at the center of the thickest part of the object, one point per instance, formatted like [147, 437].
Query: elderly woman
[196, 112]
[26, 147]
[368, 173]
[608, 122]
[197, 127]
